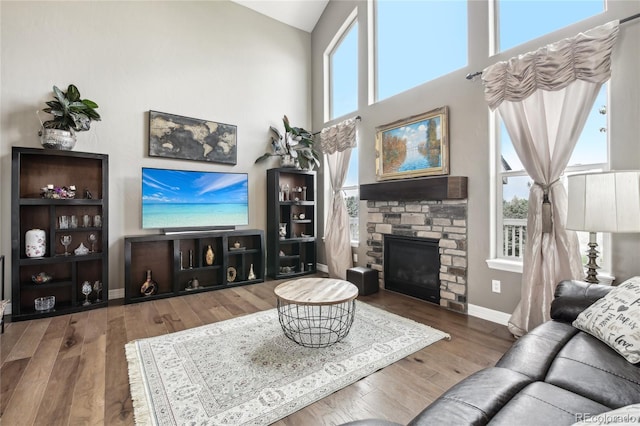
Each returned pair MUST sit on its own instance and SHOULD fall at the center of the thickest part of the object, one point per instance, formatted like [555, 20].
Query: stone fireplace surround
[439, 213]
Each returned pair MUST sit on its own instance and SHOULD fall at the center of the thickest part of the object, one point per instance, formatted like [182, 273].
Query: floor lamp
[603, 202]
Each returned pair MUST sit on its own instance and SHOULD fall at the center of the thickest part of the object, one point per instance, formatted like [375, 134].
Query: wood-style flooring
[71, 369]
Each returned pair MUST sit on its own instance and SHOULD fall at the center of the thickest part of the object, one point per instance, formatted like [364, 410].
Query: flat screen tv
[182, 199]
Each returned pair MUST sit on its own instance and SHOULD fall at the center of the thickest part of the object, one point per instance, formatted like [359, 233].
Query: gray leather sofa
[554, 375]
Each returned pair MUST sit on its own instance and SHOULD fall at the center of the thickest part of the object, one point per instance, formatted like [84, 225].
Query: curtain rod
[473, 75]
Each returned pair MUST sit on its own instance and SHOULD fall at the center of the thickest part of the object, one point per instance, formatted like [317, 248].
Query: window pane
[592, 145]
[344, 74]
[352, 198]
[352, 174]
[521, 21]
[515, 196]
[418, 41]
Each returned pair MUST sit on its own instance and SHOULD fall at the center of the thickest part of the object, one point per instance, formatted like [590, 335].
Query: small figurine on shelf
[282, 231]
[252, 275]
[209, 256]
[87, 194]
[97, 287]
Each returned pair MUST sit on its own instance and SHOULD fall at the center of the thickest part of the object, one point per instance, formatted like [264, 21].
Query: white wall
[215, 60]
[469, 128]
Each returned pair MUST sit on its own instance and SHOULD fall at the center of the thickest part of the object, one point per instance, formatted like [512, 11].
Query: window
[590, 154]
[521, 21]
[341, 79]
[417, 41]
[343, 70]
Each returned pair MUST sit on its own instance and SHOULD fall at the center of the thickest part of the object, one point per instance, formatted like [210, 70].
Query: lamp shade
[604, 202]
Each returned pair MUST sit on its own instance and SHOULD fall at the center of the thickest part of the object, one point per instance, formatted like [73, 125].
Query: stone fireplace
[432, 209]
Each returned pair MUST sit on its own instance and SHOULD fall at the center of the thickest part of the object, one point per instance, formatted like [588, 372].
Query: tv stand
[177, 260]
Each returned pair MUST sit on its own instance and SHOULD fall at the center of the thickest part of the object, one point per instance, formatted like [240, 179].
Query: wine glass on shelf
[86, 290]
[66, 241]
[92, 239]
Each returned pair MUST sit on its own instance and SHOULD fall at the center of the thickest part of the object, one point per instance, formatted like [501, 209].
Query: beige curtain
[336, 142]
[544, 98]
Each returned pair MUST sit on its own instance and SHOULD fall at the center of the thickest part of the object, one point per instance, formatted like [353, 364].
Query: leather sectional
[554, 375]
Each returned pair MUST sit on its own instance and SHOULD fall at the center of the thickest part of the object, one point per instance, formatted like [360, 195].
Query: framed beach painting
[414, 146]
[174, 136]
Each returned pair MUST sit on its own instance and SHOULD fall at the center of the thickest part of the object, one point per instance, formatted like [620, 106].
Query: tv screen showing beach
[188, 199]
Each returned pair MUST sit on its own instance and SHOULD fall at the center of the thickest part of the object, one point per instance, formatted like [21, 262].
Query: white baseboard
[116, 293]
[498, 317]
[322, 267]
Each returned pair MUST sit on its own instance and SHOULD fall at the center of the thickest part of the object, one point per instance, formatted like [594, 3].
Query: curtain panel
[544, 98]
[336, 142]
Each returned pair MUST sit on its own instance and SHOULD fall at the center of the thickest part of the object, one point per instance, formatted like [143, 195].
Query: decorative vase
[35, 243]
[252, 275]
[287, 161]
[149, 287]
[57, 139]
[209, 256]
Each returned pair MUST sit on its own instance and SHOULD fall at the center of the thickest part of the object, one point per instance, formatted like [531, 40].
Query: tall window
[341, 76]
[344, 72]
[417, 41]
[521, 21]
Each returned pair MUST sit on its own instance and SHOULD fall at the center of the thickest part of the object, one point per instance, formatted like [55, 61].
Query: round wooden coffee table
[316, 312]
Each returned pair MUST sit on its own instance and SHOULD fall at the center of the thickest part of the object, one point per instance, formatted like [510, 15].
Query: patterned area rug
[244, 371]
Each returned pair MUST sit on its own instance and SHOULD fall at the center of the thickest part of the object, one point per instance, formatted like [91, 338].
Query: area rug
[244, 371]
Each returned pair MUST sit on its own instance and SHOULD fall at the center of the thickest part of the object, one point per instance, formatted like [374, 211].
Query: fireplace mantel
[423, 189]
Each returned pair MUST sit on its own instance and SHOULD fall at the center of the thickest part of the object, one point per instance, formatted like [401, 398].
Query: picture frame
[414, 146]
[175, 136]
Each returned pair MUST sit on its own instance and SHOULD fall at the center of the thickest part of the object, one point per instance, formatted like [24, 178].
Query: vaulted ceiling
[302, 14]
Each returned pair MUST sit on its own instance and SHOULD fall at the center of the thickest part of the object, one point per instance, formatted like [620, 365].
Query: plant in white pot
[70, 114]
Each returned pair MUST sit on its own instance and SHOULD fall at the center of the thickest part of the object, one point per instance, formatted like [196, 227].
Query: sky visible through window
[344, 74]
[418, 41]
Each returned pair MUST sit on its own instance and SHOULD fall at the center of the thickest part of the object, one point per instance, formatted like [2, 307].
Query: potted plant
[70, 114]
[295, 147]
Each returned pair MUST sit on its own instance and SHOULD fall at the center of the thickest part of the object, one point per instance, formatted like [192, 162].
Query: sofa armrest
[573, 296]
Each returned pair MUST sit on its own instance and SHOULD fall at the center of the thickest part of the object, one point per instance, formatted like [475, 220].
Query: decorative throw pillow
[615, 319]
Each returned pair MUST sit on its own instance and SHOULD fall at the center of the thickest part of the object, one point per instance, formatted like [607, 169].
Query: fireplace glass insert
[412, 266]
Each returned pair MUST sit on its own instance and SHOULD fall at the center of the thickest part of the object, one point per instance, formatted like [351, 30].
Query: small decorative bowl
[45, 303]
[41, 278]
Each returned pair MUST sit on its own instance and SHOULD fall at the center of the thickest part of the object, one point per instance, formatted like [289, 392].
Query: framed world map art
[174, 136]
[414, 146]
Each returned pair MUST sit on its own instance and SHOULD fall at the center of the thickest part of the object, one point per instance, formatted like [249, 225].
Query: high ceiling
[302, 14]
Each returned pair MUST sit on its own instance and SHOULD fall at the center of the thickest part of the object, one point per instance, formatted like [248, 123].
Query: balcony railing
[514, 236]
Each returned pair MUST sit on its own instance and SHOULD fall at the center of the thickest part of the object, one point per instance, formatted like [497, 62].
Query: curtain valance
[586, 56]
[338, 137]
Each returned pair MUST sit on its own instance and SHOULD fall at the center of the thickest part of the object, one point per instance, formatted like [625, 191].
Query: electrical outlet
[355, 257]
[495, 286]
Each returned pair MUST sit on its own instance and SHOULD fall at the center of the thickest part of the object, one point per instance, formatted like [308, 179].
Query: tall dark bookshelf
[291, 222]
[31, 170]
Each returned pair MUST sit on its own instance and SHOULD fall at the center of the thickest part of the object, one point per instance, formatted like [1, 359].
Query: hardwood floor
[71, 370]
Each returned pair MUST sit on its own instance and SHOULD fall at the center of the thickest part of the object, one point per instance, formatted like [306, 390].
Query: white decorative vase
[35, 241]
[57, 139]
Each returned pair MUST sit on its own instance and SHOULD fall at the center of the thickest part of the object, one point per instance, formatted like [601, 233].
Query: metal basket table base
[316, 326]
